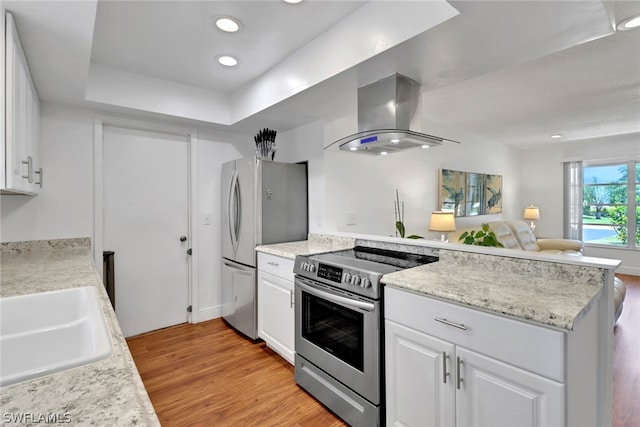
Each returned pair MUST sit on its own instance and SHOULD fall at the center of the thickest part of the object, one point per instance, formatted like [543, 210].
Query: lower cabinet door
[420, 387]
[276, 314]
[494, 394]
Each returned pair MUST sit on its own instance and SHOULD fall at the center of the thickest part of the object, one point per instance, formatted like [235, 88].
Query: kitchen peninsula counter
[104, 393]
[552, 294]
[552, 290]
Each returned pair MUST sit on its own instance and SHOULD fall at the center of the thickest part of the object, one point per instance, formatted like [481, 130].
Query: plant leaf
[400, 228]
[414, 236]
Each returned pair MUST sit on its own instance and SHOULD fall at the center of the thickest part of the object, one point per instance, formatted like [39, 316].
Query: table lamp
[532, 213]
[442, 221]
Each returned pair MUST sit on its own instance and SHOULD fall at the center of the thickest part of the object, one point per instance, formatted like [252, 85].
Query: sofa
[518, 235]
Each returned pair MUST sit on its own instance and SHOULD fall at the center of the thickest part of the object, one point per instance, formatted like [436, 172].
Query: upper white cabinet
[22, 172]
[276, 304]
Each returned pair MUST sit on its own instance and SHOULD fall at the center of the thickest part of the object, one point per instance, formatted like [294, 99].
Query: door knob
[183, 238]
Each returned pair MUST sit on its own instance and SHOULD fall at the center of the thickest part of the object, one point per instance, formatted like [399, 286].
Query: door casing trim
[191, 135]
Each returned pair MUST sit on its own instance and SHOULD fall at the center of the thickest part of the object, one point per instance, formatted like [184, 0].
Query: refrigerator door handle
[238, 269]
[238, 204]
[233, 213]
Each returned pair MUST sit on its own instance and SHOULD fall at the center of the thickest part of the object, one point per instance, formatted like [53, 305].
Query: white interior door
[145, 215]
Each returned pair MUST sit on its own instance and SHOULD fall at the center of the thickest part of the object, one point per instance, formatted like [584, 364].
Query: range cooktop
[357, 270]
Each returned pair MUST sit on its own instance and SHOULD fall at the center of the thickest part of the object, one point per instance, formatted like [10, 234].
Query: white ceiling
[515, 72]
[177, 41]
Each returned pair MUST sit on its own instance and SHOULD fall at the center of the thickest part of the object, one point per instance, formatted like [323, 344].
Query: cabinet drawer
[531, 347]
[276, 265]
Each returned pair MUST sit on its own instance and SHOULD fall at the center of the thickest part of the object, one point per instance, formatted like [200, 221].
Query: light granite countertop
[105, 393]
[552, 291]
[316, 244]
[548, 293]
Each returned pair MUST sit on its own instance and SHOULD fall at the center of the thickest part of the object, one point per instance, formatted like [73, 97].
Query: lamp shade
[531, 212]
[442, 221]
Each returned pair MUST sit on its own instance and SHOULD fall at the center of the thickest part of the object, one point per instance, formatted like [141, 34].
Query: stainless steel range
[338, 328]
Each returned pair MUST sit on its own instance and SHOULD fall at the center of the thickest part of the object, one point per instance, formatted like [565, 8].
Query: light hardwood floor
[206, 374]
[626, 358]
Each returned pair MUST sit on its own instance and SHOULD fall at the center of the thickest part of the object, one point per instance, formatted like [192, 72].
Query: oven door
[339, 333]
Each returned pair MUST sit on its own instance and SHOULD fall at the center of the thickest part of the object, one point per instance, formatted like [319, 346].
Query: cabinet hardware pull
[459, 372]
[25, 162]
[275, 264]
[40, 177]
[450, 323]
[29, 163]
[291, 299]
[445, 374]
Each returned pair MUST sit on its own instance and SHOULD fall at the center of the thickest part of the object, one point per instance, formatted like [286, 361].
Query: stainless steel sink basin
[50, 332]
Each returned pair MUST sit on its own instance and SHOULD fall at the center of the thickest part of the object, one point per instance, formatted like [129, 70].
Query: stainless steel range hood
[389, 118]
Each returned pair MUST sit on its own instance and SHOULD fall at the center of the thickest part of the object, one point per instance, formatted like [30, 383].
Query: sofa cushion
[524, 235]
[504, 234]
[619, 291]
[568, 246]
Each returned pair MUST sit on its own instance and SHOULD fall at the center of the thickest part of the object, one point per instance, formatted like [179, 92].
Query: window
[611, 204]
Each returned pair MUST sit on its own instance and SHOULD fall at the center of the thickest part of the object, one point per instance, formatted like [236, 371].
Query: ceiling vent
[388, 118]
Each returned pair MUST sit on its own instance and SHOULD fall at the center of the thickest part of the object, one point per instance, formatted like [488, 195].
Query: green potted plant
[399, 212]
[482, 237]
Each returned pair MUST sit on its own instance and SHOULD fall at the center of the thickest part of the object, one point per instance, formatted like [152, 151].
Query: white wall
[213, 150]
[305, 143]
[64, 207]
[364, 185]
[542, 185]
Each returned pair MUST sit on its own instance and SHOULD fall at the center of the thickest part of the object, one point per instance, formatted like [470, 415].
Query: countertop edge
[105, 392]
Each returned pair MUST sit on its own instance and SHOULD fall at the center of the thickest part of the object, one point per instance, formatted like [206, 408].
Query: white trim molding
[100, 121]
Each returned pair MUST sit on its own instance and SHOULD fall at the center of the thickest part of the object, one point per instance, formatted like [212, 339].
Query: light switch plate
[206, 219]
[352, 218]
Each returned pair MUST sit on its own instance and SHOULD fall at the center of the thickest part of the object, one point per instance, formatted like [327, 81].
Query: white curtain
[573, 200]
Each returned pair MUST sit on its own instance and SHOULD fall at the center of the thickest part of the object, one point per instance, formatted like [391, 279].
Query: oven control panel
[330, 272]
[308, 266]
[355, 280]
[336, 274]
[340, 276]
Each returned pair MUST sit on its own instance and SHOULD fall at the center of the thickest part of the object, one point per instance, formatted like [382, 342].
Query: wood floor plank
[206, 374]
[626, 358]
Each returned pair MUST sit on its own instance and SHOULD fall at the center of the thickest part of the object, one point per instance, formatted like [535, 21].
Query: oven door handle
[348, 302]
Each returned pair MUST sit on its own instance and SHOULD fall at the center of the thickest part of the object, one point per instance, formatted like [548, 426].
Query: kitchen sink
[49, 332]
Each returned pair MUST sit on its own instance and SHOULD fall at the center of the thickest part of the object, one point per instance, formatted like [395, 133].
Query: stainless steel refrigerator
[263, 203]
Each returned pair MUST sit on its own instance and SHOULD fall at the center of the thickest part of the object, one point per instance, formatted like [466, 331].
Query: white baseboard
[633, 271]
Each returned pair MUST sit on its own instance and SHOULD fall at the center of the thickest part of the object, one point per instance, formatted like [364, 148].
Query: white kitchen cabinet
[21, 173]
[433, 380]
[276, 304]
[493, 393]
[418, 391]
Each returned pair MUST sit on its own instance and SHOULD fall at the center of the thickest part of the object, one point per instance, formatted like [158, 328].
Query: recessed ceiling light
[425, 146]
[629, 23]
[228, 24]
[556, 136]
[292, 1]
[383, 153]
[353, 148]
[395, 141]
[227, 60]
